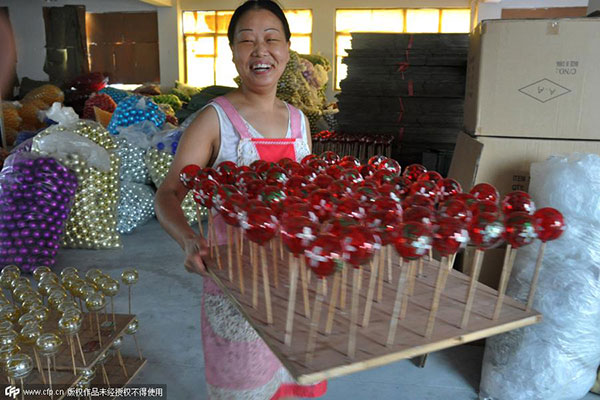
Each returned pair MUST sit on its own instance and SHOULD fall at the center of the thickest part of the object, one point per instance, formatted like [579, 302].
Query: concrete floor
[167, 302]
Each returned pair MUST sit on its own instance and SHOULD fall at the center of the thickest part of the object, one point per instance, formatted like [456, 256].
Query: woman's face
[260, 49]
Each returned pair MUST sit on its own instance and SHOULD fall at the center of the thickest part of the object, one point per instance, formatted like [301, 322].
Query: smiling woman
[234, 127]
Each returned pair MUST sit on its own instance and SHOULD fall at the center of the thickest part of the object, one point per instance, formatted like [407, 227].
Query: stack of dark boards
[408, 85]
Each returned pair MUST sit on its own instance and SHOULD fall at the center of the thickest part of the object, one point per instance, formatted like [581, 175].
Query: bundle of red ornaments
[336, 212]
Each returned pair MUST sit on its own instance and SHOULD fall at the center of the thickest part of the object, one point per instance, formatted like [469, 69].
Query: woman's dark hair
[249, 5]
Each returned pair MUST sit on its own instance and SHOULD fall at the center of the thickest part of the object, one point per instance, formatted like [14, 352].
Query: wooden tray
[330, 359]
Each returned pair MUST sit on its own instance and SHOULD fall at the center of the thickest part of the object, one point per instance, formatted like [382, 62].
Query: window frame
[337, 88]
[215, 36]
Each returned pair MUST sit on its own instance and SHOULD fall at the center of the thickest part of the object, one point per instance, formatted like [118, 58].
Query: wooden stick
[506, 270]
[122, 363]
[199, 219]
[70, 339]
[211, 233]
[303, 281]
[39, 365]
[275, 263]
[22, 390]
[50, 378]
[98, 326]
[344, 284]
[380, 273]
[314, 323]
[137, 346]
[112, 310]
[477, 260]
[332, 302]
[238, 243]
[371, 291]
[254, 275]
[412, 272]
[129, 287]
[400, 293]
[353, 314]
[308, 275]
[280, 240]
[536, 275]
[410, 269]
[80, 348]
[105, 375]
[389, 251]
[217, 251]
[229, 254]
[360, 274]
[241, 240]
[439, 288]
[266, 286]
[289, 322]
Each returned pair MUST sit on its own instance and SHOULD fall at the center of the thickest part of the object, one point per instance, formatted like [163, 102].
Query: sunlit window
[393, 21]
[207, 53]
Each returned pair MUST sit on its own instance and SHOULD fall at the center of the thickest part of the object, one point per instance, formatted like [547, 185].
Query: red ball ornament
[383, 176]
[390, 165]
[518, 201]
[425, 188]
[466, 198]
[318, 165]
[225, 192]
[206, 191]
[485, 191]
[448, 188]
[258, 164]
[250, 204]
[300, 210]
[244, 178]
[454, 208]
[276, 176]
[350, 162]
[486, 206]
[549, 223]
[340, 189]
[227, 170]
[297, 233]
[384, 224]
[188, 174]
[254, 188]
[241, 169]
[272, 195]
[375, 161]
[431, 176]
[323, 181]
[322, 203]
[358, 246]
[293, 168]
[388, 190]
[228, 208]
[486, 230]
[365, 194]
[294, 184]
[418, 200]
[387, 204]
[402, 185]
[307, 159]
[519, 229]
[285, 162]
[288, 203]
[419, 214]
[259, 224]
[210, 173]
[338, 226]
[307, 173]
[330, 157]
[334, 171]
[450, 236]
[412, 240]
[323, 255]
[352, 176]
[414, 171]
[350, 208]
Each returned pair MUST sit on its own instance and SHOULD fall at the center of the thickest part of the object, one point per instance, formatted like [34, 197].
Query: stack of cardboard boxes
[533, 90]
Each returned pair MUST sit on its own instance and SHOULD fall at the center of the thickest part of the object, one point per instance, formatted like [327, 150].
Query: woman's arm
[197, 145]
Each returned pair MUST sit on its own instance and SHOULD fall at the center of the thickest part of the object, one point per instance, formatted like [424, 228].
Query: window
[207, 52]
[393, 21]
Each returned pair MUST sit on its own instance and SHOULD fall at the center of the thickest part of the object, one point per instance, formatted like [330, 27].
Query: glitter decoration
[158, 163]
[36, 195]
[136, 206]
[136, 109]
[133, 167]
[92, 223]
[116, 94]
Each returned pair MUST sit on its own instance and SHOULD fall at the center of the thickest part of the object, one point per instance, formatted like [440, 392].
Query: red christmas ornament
[549, 223]
[297, 233]
[258, 165]
[188, 174]
[225, 192]
[330, 157]
[451, 234]
[425, 188]
[340, 189]
[334, 171]
[431, 176]
[307, 173]
[365, 194]
[350, 162]
[383, 176]
[227, 171]
[454, 208]
[350, 208]
[402, 185]
[358, 246]
[209, 173]
[276, 176]
[323, 256]
[289, 202]
[228, 208]
[254, 188]
[352, 176]
[486, 206]
[322, 203]
[384, 224]
[244, 178]
[206, 190]
[285, 162]
[486, 230]
[242, 169]
[519, 229]
[375, 161]
[299, 210]
[518, 201]
[305, 191]
[318, 165]
[250, 204]
[293, 168]
[388, 190]
[418, 200]
[419, 214]
[259, 224]
[367, 171]
[307, 159]
[448, 188]
[414, 171]
[386, 204]
[294, 184]
[272, 195]
[338, 226]
[485, 191]
[412, 240]
[390, 165]
[466, 198]
[323, 181]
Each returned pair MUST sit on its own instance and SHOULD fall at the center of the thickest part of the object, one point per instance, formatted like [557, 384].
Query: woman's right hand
[195, 248]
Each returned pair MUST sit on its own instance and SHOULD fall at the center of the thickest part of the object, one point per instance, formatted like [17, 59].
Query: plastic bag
[556, 359]
[92, 222]
[136, 206]
[134, 109]
[59, 114]
[36, 195]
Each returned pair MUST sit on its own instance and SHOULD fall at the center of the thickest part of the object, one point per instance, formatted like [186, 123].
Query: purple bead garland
[36, 195]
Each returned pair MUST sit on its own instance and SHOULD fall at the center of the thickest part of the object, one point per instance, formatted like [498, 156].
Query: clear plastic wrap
[92, 223]
[556, 359]
[36, 195]
[136, 206]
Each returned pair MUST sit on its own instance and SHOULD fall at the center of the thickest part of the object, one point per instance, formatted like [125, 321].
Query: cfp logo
[12, 392]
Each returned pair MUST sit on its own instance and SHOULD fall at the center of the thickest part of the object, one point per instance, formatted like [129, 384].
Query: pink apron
[238, 364]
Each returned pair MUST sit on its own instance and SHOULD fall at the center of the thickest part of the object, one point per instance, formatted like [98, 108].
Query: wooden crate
[330, 359]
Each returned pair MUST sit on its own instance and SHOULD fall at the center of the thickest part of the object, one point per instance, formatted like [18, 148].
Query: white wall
[494, 10]
[27, 20]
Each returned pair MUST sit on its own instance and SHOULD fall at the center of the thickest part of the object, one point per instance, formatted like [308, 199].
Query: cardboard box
[535, 79]
[505, 162]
